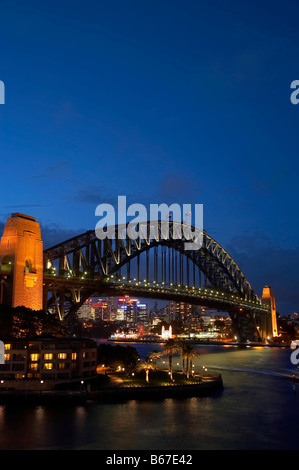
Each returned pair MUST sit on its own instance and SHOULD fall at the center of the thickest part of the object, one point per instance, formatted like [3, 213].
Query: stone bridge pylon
[21, 263]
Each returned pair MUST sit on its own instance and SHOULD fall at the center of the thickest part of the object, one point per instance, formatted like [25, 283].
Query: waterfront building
[52, 359]
[166, 334]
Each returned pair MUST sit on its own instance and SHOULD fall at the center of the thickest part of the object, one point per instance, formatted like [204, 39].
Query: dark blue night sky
[161, 101]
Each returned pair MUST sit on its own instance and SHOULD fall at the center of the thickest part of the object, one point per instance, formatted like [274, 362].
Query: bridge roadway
[248, 316]
[208, 297]
[112, 286]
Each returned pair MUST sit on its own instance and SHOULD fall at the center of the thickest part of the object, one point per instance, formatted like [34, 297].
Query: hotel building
[53, 359]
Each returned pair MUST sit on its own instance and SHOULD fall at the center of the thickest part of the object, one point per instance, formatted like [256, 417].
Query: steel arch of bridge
[85, 265]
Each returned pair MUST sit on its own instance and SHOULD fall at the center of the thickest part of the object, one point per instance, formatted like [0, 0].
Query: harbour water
[257, 410]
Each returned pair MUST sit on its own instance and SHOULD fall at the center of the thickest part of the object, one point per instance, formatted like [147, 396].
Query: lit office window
[74, 356]
[48, 365]
[34, 357]
[48, 357]
[62, 356]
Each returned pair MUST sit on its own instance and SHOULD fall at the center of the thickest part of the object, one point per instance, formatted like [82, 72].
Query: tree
[115, 356]
[154, 355]
[146, 365]
[183, 347]
[170, 348]
[190, 354]
[22, 322]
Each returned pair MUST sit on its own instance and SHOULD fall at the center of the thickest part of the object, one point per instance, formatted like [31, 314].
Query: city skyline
[131, 317]
[162, 103]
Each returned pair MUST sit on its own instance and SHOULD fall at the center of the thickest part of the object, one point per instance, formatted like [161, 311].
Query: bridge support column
[61, 302]
[21, 258]
[45, 297]
[244, 327]
[270, 330]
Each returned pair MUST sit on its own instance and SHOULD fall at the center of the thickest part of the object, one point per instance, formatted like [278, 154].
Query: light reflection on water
[257, 409]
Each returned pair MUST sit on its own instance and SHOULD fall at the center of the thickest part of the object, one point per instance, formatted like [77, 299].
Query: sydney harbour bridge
[151, 266]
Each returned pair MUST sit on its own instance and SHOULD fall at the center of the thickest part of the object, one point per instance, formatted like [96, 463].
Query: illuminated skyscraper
[142, 314]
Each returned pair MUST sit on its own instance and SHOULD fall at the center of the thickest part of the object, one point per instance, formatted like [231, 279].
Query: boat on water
[295, 344]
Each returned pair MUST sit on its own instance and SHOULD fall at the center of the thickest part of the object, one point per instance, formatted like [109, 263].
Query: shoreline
[196, 342]
[199, 389]
[114, 394]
